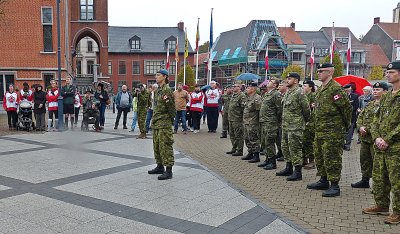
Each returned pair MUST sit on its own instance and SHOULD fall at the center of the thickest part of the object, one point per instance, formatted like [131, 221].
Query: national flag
[197, 35]
[211, 30]
[333, 44]
[312, 59]
[349, 49]
[186, 45]
[177, 50]
[167, 64]
[266, 60]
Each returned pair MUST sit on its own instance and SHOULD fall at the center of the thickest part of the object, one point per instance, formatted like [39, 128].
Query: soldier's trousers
[308, 147]
[386, 178]
[236, 135]
[292, 146]
[225, 122]
[366, 158]
[142, 120]
[328, 156]
[162, 146]
[269, 136]
[252, 138]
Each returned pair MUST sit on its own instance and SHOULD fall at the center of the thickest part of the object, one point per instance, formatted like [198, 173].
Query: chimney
[293, 25]
[377, 20]
[181, 26]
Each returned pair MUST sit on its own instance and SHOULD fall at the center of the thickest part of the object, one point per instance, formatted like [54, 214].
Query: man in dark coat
[354, 100]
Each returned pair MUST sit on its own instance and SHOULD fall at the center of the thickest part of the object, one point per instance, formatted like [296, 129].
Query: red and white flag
[266, 61]
[349, 49]
[333, 44]
[167, 64]
[312, 59]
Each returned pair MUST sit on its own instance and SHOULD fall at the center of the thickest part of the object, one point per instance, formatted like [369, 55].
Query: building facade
[29, 56]
[137, 53]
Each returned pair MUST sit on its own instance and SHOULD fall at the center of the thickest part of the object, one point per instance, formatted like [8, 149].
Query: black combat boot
[322, 184]
[262, 152]
[363, 183]
[159, 169]
[287, 171]
[238, 153]
[166, 175]
[248, 156]
[231, 152]
[296, 174]
[333, 191]
[256, 158]
[279, 157]
[271, 165]
[224, 134]
[263, 164]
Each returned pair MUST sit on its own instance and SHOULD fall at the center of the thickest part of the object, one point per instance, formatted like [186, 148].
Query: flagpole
[312, 61]
[333, 42]
[312, 71]
[211, 45]
[176, 60]
[348, 54]
[184, 60]
[197, 50]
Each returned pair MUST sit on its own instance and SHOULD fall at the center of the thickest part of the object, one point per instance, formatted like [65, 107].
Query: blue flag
[211, 30]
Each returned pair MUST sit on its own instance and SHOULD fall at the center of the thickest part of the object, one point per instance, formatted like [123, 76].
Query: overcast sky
[309, 15]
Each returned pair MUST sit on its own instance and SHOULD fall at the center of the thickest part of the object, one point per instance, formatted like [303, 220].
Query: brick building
[28, 35]
[137, 53]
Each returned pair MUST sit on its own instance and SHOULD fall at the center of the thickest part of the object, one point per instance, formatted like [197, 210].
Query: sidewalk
[78, 182]
[306, 208]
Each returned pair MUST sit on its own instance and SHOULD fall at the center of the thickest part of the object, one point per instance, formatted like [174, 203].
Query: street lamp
[60, 98]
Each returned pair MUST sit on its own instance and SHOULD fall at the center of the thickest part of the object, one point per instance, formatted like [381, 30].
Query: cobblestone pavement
[291, 200]
[79, 182]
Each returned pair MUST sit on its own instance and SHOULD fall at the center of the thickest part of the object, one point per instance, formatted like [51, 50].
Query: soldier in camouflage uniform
[332, 121]
[295, 115]
[270, 118]
[309, 132]
[364, 123]
[225, 109]
[235, 116]
[385, 132]
[282, 90]
[163, 117]
[143, 104]
[251, 122]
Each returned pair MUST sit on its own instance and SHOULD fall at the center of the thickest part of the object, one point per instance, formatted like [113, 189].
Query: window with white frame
[152, 66]
[110, 67]
[87, 9]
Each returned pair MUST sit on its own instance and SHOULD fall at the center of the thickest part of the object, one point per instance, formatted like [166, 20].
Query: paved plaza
[87, 182]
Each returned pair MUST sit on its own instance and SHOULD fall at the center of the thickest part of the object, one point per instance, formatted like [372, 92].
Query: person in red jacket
[10, 104]
[52, 100]
[196, 107]
[26, 93]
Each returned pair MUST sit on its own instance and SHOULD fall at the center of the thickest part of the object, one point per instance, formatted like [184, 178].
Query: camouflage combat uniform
[386, 168]
[235, 116]
[251, 122]
[143, 104]
[270, 118]
[163, 117]
[295, 115]
[367, 152]
[309, 132]
[225, 119]
[332, 120]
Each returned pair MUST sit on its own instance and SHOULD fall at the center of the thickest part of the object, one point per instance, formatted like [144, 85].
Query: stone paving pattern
[291, 200]
[78, 182]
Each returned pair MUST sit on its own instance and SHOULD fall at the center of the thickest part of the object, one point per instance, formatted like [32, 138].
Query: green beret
[293, 75]
[382, 85]
[393, 65]
[325, 65]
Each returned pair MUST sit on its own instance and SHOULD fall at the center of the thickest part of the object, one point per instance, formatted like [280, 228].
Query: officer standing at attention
[226, 97]
[295, 114]
[270, 119]
[163, 117]
[386, 135]
[235, 117]
[364, 122]
[143, 104]
[252, 124]
[332, 121]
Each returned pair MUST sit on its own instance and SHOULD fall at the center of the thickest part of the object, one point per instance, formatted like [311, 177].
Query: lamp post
[60, 98]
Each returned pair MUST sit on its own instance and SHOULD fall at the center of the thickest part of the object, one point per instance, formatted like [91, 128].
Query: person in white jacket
[213, 97]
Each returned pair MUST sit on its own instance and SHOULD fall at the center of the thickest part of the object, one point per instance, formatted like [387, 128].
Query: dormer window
[170, 43]
[135, 43]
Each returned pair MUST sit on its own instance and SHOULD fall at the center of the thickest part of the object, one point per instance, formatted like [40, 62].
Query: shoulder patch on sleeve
[337, 97]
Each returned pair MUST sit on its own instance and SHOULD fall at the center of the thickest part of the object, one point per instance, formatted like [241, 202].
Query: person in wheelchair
[91, 113]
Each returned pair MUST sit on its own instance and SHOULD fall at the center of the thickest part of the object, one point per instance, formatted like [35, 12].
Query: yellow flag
[186, 45]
